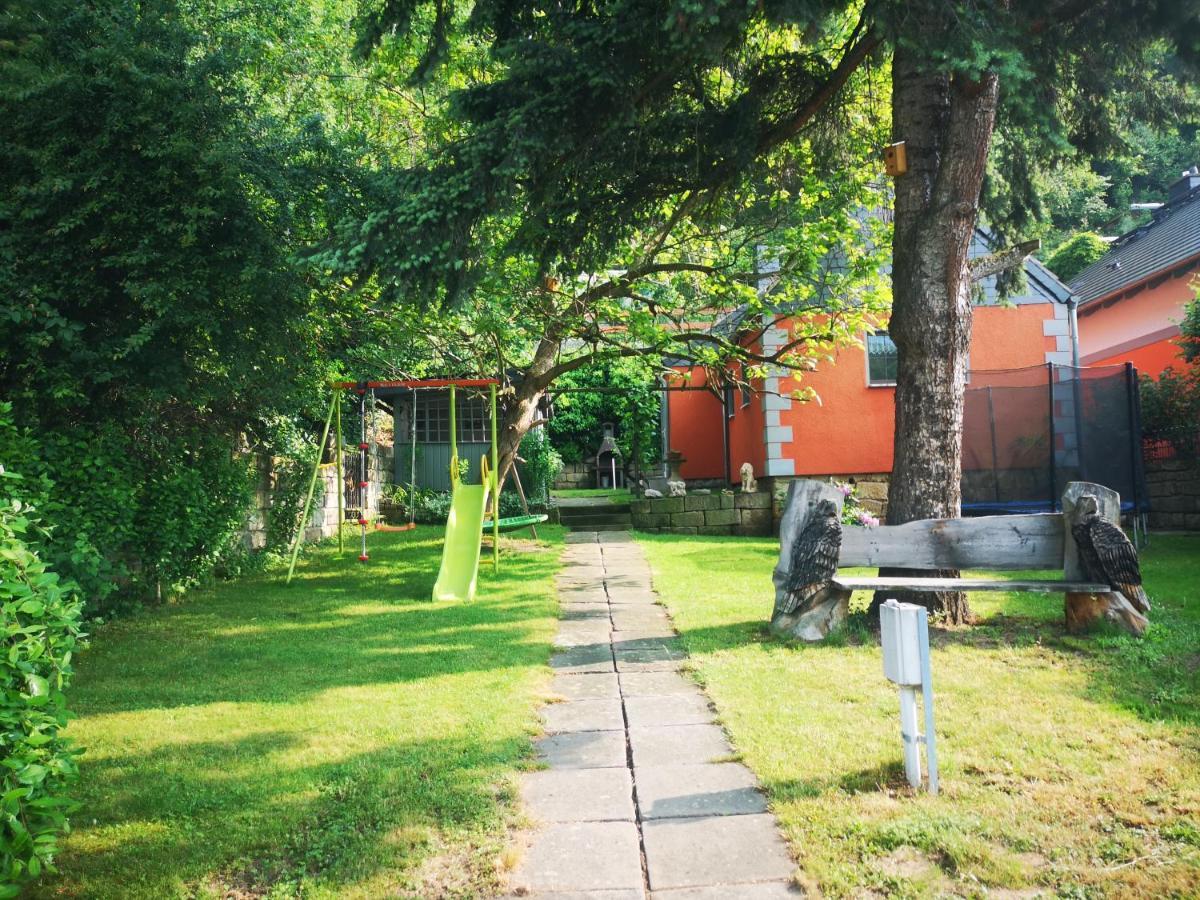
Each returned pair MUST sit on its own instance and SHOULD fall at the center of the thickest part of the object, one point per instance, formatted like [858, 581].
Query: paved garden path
[639, 798]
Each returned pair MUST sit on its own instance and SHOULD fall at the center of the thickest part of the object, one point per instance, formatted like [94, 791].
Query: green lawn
[342, 736]
[1070, 765]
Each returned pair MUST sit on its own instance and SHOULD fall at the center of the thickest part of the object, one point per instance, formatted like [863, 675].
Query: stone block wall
[574, 475]
[872, 489]
[1174, 487]
[721, 512]
[323, 520]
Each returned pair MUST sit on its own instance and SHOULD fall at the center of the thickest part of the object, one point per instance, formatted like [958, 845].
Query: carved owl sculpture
[814, 556]
[1107, 554]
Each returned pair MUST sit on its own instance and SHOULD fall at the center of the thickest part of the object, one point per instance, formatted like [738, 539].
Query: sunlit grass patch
[341, 736]
[1069, 764]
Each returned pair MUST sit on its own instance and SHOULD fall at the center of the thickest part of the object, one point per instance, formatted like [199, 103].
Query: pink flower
[846, 489]
[866, 519]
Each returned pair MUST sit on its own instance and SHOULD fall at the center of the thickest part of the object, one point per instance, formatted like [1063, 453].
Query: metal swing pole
[341, 476]
[495, 485]
[312, 486]
[412, 463]
[362, 471]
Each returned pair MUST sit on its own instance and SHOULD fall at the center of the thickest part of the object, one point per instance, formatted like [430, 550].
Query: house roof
[1170, 238]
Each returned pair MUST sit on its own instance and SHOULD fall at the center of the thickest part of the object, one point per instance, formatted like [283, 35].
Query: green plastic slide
[460, 554]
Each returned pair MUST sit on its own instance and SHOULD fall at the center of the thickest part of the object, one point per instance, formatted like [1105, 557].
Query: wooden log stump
[1085, 611]
[816, 617]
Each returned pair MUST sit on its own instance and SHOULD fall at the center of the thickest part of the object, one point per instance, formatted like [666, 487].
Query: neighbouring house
[1131, 300]
[847, 434]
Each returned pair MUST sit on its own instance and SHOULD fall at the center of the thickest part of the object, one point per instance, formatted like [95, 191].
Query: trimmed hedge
[41, 622]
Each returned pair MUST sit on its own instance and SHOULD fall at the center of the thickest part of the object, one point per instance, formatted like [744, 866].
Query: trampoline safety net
[1027, 432]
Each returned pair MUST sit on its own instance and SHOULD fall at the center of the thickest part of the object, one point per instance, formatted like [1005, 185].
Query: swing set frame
[366, 389]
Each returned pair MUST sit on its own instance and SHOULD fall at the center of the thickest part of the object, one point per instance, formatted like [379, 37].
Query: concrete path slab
[649, 684]
[639, 798]
[584, 715]
[678, 745]
[668, 709]
[714, 789]
[586, 687]
[715, 850]
[582, 856]
[763, 890]
[583, 749]
[578, 795]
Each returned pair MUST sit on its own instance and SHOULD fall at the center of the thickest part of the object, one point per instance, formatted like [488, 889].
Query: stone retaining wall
[1174, 487]
[722, 512]
[872, 490]
[323, 521]
[574, 475]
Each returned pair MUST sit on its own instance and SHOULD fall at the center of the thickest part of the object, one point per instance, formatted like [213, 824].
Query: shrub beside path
[639, 797]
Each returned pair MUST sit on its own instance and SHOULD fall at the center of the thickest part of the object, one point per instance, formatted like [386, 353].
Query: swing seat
[516, 523]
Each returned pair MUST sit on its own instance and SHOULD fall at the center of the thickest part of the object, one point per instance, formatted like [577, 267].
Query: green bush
[1076, 254]
[42, 632]
[542, 465]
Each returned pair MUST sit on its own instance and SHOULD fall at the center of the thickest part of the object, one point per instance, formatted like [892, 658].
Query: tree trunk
[946, 123]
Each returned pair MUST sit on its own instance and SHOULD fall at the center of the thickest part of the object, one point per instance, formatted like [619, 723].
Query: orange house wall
[694, 427]
[1140, 318]
[850, 430]
[1148, 360]
[746, 435]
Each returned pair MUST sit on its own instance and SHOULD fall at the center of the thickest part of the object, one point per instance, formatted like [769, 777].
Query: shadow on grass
[338, 624]
[361, 651]
[339, 822]
[1157, 676]
[884, 777]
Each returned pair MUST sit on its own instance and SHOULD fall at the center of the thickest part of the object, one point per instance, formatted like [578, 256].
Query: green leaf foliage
[40, 616]
[622, 393]
[1076, 254]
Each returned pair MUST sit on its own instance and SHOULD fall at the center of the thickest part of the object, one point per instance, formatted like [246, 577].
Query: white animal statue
[677, 488]
[749, 485]
[652, 494]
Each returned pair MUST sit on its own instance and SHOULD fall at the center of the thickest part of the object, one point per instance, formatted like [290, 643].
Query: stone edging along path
[638, 798]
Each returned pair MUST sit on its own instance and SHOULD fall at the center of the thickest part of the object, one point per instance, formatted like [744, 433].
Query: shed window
[881, 359]
[433, 418]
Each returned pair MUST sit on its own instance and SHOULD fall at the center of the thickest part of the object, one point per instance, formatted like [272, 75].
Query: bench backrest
[987, 542]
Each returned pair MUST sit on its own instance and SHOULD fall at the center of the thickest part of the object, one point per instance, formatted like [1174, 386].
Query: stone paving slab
[576, 611]
[649, 660]
[713, 789]
[651, 684]
[678, 745]
[579, 795]
[583, 749]
[696, 828]
[584, 715]
[581, 632]
[668, 709]
[765, 890]
[579, 660]
[718, 850]
[649, 645]
[582, 856]
[586, 687]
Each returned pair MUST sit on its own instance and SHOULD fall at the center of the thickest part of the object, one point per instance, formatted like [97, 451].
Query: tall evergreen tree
[592, 123]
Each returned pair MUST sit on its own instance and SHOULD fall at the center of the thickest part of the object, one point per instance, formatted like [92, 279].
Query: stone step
[601, 527]
[585, 522]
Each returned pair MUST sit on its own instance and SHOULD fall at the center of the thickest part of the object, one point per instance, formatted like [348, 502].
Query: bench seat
[883, 583]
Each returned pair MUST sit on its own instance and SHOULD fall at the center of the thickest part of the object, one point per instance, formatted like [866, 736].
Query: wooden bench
[989, 543]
